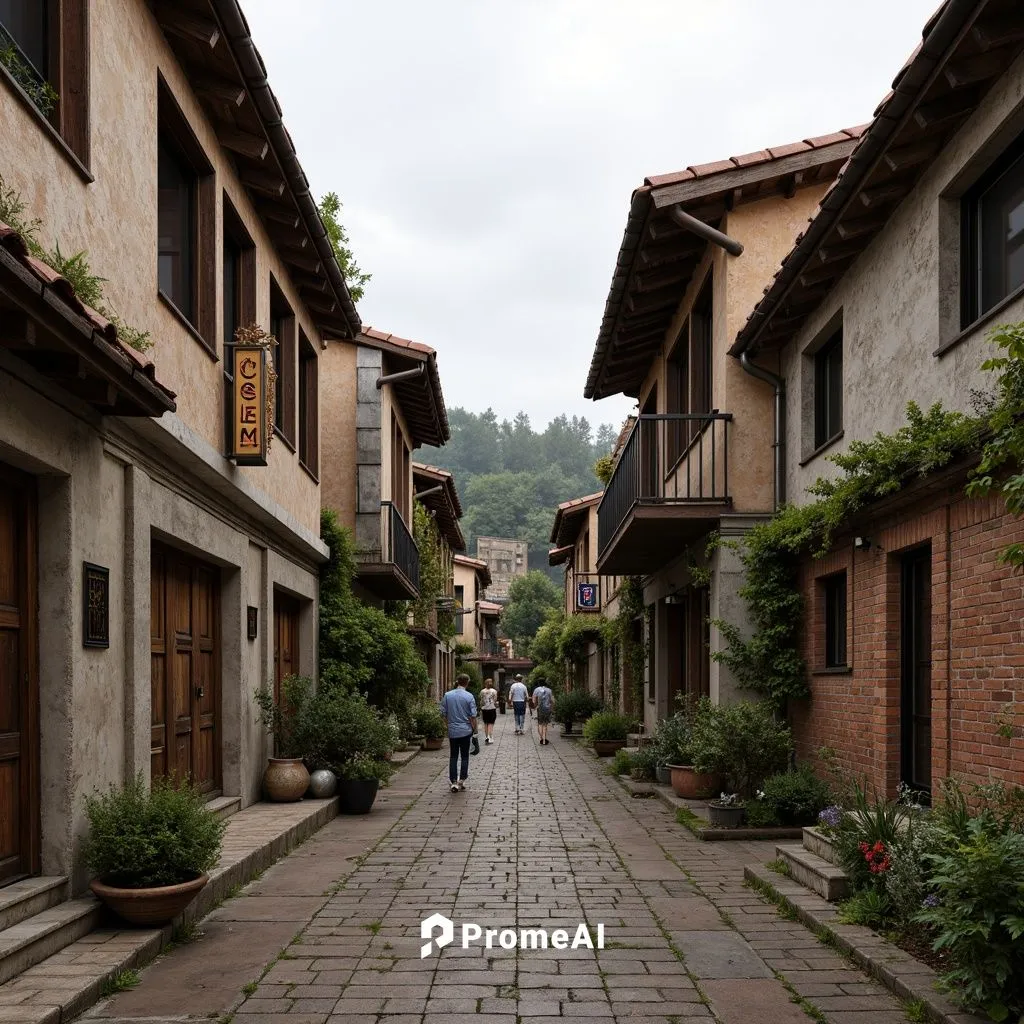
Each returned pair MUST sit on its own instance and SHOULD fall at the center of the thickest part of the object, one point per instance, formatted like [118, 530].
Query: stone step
[33, 939]
[30, 896]
[224, 806]
[816, 842]
[814, 872]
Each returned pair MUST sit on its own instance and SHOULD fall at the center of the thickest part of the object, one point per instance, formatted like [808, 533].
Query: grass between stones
[119, 981]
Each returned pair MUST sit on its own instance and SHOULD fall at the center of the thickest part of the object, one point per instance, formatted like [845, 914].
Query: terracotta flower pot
[285, 780]
[726, 817]
[357, 795]
[149, 907]
[606, 748]
[433, 743]
[691, 784]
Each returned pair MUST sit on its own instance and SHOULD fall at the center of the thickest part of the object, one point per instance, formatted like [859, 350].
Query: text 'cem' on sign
[248, 441]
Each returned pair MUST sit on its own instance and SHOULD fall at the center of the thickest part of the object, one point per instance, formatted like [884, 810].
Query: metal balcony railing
[397, 544]
[668, 458]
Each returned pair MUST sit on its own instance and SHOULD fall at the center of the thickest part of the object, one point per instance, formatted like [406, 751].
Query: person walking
[544, 701]
[459, 711]
[518, 694]
[489, 709]
[502, 694]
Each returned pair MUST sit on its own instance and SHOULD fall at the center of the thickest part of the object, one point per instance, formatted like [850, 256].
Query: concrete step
[30, 896]
[224, 806]
[814, 872]
[821, 845]
[33, 939]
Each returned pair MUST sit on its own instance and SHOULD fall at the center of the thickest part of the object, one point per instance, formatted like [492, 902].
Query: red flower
[877, 857]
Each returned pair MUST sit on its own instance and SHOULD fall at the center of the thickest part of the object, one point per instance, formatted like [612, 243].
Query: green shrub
[363, 768]
[621, 764]
[870, 908]
[575, 706]
[605, 726]
[869, 821]
[334, 726]
[141, 837]
[907, 882]
[673, 739]
[645, 761]
[796, 797]
[428, 721]
[282, 717]
[742, 742]
[761, 814]
[977, 910]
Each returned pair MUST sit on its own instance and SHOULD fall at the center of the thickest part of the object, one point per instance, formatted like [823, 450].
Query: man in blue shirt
[459, 710]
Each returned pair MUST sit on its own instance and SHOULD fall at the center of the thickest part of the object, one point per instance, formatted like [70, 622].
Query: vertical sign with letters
[248, 442]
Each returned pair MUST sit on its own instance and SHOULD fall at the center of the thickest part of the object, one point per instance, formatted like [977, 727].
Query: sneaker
[455, 788]
[462, 785]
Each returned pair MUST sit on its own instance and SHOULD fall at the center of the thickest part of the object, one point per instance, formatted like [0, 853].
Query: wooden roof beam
[995, 32]
[912, 155]
[188, 25]
[260, 181]
[857, 227]
[974, 69]
[216, 88]
[946, 109]
[287, 216]
[255, 147]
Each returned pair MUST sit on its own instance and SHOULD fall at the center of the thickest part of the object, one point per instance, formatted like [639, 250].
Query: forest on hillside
[510, 477]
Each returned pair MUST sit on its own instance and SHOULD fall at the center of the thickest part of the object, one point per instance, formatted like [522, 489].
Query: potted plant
[286, 778]
[675, 738]
[607, 731]
[430, 725]
[575, 706]
[150, 848]
[728, 811]
[359, 778]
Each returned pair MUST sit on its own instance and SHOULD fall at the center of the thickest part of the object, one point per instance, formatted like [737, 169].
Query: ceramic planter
[285, 780]
[149, 907]
[357, 795]
[691, 784]
[726, 817]
[433, 743]
[663, 774]
[606, 748]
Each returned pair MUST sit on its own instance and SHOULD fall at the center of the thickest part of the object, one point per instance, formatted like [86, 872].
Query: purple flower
[831, 816]
[931, 902]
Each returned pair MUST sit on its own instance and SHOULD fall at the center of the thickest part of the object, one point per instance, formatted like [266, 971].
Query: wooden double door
[19, 687]
[185, 669]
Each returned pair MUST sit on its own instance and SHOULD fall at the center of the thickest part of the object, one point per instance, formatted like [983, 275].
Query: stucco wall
[114, 220]
[338, 431]
[900, 302]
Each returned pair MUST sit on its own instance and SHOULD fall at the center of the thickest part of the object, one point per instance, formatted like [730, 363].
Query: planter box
[690, 784]
[726, 817]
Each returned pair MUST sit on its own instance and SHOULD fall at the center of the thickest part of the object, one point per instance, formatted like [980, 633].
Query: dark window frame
[828, 389]
[834, 600]
[237, 245]
[309, 406]
[176, 134]
[284, 327]
[973, 305]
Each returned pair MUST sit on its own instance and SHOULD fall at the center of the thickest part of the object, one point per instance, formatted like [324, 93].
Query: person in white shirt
[518, 694]
[489, 709]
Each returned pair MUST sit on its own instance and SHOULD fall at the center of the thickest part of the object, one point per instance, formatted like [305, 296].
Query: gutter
[779, 441]
[254, 74]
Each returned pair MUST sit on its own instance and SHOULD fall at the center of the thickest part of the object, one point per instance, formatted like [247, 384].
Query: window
[688, 384]
[309, 406]
[828, 390]
[26, 22]
[283, 328]
[186, 211]
[992, 216]
[835, 620]
[238, 290]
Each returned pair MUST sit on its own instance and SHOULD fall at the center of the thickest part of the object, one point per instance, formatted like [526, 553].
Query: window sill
[982, 320]
[822, 448]
[839, 670]
[188, 325]
[279, 433]
[48, 129]
[309, 472]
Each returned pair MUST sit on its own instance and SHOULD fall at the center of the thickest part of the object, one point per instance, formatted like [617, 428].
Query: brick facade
[977, 641]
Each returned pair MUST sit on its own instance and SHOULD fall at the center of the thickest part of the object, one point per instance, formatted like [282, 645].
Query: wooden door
[19, 689]
[286, 640]
[185, 669]
[916, 665]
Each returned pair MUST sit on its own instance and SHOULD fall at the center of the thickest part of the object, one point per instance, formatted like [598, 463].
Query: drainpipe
[690, 223]
[429, 490]
[779, 443]
[395, 378]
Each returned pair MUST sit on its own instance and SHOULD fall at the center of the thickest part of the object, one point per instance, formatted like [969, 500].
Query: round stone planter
[690, 784]
[148, 907]
[285, 780]
[357, 795]
[726, 817]
[606, 748]
[433, 743]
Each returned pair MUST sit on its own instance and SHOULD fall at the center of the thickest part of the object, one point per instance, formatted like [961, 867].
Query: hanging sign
[586, 595]
[249, 439]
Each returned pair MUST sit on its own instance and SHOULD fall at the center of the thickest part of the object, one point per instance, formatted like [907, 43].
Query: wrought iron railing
[397, 544]
[668, 458]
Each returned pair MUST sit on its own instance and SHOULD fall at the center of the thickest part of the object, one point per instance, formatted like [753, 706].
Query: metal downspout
[779, 443]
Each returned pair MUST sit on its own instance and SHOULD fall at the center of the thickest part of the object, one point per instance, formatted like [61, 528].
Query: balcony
[670, 485]
[391, 571]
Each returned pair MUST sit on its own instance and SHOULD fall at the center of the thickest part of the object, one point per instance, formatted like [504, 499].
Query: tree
[330, 208]
[531, 600]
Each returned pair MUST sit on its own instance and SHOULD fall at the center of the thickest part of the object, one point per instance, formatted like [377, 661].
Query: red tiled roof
[564, 527]
[13, 244]
[443, 504]
[557, 556]
[590, 499]
[489, 607]
[394, 339]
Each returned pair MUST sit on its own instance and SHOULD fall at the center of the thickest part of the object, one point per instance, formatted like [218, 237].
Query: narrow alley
[542, 838]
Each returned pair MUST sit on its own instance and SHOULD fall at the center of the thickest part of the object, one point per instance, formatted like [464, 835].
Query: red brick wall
[977, 644]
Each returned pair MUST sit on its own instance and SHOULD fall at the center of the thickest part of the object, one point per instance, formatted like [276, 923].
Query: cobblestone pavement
[542, 838]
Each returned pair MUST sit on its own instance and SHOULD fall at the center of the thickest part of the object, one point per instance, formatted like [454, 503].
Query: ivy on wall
[434, 570]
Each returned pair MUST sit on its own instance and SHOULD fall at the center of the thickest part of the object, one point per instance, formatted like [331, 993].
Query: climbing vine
[433, 574]
[632, 652]
[769, 660]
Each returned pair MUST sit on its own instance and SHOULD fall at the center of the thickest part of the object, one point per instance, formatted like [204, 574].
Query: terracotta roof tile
[757, 157]
[475, 563]
[715, 167]
[576, 502]
[778, 152]
[394, 339]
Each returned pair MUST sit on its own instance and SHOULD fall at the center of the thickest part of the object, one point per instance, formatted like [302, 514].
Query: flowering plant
[830, 818]
[729, 800]
[877, 857]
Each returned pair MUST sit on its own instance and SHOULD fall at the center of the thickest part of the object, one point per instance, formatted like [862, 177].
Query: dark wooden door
[286, 640]
[698, 648]
[916, 665]
[19, 690]
[185, 669]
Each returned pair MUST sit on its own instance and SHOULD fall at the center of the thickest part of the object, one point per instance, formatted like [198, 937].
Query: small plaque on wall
[96, 605]
[252, 621]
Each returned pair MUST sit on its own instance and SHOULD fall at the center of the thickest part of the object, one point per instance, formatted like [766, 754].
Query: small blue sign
[586, 595]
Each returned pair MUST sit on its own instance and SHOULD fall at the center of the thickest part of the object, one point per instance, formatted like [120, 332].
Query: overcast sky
[486, 151]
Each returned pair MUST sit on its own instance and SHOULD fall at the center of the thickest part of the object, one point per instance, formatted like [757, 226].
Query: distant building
[506, 560]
